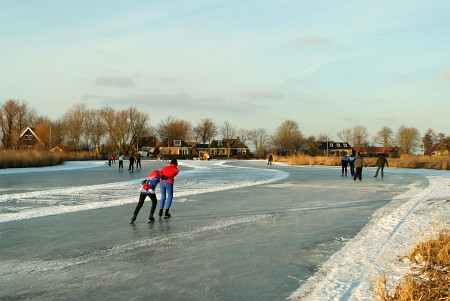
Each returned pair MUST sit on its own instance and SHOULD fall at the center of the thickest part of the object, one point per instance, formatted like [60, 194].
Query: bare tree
[243, 135]
[118, 128]
[96, 129]
[313, 145]
[345, 135]
[172, 129]
[42, 128]
[325, 137]
[288, 137]
[206, 129]
[429, 139]
[407, 139]
[359, 137]
[384, 136]
[259, 138]
[139, 123]
[15, 116]
[75, 121]
[228, 132]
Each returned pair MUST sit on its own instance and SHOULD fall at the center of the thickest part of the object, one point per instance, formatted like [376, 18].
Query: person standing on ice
[359, 163]
[148, 189]
[381, 161]
[167, 174]
[121, 158]
[344, 163]
[351, 161]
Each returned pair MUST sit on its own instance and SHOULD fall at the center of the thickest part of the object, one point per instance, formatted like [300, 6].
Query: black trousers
[142, 197]
[358, 174]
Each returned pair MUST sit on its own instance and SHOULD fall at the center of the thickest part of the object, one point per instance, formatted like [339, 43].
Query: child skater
[148, 189]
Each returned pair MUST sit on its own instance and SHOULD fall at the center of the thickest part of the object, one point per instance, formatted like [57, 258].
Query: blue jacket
[152, 182]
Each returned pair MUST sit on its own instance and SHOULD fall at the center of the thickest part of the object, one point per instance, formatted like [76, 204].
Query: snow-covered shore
[352, 273]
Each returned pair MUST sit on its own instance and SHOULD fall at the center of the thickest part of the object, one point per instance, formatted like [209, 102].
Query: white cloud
[115, 81]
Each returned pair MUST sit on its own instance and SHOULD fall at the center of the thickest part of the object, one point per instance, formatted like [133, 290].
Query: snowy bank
[352, 273]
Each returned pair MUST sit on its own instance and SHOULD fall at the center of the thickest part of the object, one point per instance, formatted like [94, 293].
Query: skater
[359, 163]
[351, 162]
[121, 158]
[344, 163]
[270, 159]
[138, 161]
[167, 174]
[381, 161]
[132, 159]
[148, 189]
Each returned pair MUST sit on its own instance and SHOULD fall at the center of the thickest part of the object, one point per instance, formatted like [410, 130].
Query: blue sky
[328, 65]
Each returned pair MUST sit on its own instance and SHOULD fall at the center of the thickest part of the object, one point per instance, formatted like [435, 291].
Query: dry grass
[429, 276]
[426, 162]
[309, 160]
[19, 159]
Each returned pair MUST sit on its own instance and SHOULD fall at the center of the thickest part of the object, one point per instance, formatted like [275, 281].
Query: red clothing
[168, 173]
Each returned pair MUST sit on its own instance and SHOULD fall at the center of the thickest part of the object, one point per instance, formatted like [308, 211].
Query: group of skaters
[134, 160]
[165, 178]
[357, 163]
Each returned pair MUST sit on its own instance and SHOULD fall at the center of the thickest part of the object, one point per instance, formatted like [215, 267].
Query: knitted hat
[174, 161]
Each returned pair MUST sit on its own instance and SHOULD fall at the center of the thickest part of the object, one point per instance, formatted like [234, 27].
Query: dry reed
[426, 162]
[34, 158]
[429, 276]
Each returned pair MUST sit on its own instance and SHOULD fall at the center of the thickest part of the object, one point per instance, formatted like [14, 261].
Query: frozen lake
[240, 230]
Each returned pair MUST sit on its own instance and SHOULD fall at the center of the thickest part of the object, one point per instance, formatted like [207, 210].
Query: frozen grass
[429, 276]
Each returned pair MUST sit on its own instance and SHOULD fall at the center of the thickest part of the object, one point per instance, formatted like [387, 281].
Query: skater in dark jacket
[344, 163]
[381, 161]
[351, 161]
[132, 160]
[148, 189]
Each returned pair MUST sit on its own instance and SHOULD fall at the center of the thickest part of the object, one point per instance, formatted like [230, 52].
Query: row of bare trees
[107, 129]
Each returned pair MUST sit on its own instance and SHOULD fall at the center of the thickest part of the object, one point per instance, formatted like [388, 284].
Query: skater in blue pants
[167, 174]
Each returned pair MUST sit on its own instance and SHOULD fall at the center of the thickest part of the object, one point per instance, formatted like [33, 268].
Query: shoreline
[393, 230]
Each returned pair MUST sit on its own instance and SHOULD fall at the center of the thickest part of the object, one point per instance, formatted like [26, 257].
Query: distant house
[235, 147]
[177, 147]
[201, 151]
[29, 140]
[439, 150]
[149, 144]
[375, 151]
[331, 148]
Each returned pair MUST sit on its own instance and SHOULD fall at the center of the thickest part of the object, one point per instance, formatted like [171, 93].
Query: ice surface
[240, 230]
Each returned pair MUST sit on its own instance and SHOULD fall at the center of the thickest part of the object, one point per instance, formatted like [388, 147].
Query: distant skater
[132, 160]
[381, 161]
[351, 162]
[138, 161]
[344, 163]
[148, 189]
[270, 159]
[121, 158]
[167, 174]
[359, 163]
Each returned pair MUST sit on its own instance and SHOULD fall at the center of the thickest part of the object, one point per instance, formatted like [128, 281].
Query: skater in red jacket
[167, 174]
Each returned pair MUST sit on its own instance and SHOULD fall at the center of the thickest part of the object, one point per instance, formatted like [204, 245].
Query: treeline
[108, 130]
